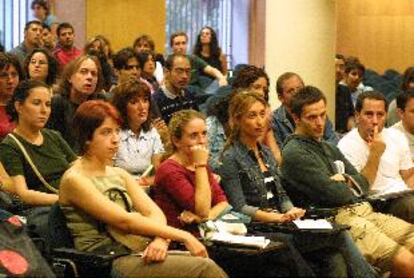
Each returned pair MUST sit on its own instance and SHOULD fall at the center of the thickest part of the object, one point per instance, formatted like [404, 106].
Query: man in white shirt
[405, 110]
[381, 155]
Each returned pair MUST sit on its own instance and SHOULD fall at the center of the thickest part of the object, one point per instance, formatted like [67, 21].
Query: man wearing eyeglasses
[32, 39]
[174, 95]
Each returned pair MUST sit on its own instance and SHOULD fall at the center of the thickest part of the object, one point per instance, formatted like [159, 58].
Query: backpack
[18, 254]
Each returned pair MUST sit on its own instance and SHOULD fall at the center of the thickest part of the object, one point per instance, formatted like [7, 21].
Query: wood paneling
[378, 32]
[123, 21]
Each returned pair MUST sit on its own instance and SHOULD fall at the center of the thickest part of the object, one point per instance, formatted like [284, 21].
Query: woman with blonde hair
[251, 180]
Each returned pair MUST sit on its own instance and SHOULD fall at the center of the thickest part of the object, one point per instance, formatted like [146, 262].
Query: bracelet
[200, 165]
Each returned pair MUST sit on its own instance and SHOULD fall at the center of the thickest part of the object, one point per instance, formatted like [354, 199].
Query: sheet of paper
[313, 224]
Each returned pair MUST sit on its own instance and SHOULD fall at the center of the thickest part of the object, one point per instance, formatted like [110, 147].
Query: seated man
[310, 170]
[282, 122]
[405, 109]
[174, 95]
[381, 155]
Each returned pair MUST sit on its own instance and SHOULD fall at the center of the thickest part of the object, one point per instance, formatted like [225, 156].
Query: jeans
[342, 242]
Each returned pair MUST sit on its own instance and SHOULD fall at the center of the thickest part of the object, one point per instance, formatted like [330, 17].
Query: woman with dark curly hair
[207, 48]
[41, 65]
[254, 79]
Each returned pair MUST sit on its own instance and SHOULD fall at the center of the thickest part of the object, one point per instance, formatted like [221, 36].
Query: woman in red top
[187, 190]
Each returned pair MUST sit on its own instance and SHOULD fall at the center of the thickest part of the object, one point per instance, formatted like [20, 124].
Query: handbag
[135, 243]
[32, 165]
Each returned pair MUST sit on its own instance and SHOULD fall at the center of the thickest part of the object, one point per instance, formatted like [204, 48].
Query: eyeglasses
[130, 67]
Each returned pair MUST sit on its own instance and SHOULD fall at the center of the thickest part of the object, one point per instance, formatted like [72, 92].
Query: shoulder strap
[34, 168]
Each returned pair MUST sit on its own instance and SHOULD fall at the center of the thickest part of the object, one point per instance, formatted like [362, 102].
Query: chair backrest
[59, 233]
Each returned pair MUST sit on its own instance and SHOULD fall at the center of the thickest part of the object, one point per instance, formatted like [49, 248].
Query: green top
[52, 159]
[88, 233]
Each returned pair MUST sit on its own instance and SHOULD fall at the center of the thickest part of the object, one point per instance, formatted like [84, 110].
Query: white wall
[300, 37]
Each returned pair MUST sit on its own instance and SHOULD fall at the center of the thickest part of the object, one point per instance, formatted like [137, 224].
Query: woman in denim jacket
[250, 178]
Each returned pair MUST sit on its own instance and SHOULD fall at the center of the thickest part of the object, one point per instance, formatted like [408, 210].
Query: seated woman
[249, 78]
[30, 107]
[185, 177]
[84, 200]
[10, 75]
[41, 65]
[147, 60]
[189, 194]
[250, 178]
[140, 144]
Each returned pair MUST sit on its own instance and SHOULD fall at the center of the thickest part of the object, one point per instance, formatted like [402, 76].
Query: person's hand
[159, 124]
[146, 181]
[375, 142]
[295, 213]
[199, 154]
[195, 247]
[281, 217]
[188, 217]
[222, 82]
[156, 251]
[338, 177]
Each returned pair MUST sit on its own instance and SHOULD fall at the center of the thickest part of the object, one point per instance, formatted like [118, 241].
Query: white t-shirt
[396, 157]
[409, 136]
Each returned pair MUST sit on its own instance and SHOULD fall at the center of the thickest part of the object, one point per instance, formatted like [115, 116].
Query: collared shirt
[283, 127]
[135, 152]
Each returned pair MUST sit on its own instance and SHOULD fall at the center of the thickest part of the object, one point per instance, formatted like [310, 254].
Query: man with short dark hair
[174, 95]
[32, 39]
[344, 108]
[65, 50]
[380, 154]
[317, 174]
[405, 110]
[178, 43]
[48, 38]
[282, 122]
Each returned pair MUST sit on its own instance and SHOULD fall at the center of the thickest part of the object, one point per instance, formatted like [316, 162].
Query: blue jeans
[342, 242]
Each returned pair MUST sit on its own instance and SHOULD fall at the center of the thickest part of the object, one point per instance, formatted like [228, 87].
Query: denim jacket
[243, 180]
[282, 127]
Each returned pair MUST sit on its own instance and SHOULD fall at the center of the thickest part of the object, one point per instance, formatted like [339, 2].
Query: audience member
[30, 107]
[81, 81]
[127, 66]
[283, 125]
[344, 109]
[41, 11]
[65, 50]
[380, 154]
[178, 43]
[407, 83]
[86, 203]
[405, 109]
[96, 46]
[41, 65]
[174, 95]
[207, 48]
[48, 39]
[317, 174]
[187, 190]
[147, 62]
[10, 75]
[140, 143]
[32, 39]
[251, 180]
[145, 43]
[354, 72]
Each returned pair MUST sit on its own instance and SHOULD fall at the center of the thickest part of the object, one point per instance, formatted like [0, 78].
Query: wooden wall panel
[378, 32]
[123, 21]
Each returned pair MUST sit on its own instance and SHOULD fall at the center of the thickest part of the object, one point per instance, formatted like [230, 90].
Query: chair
[65, 259]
